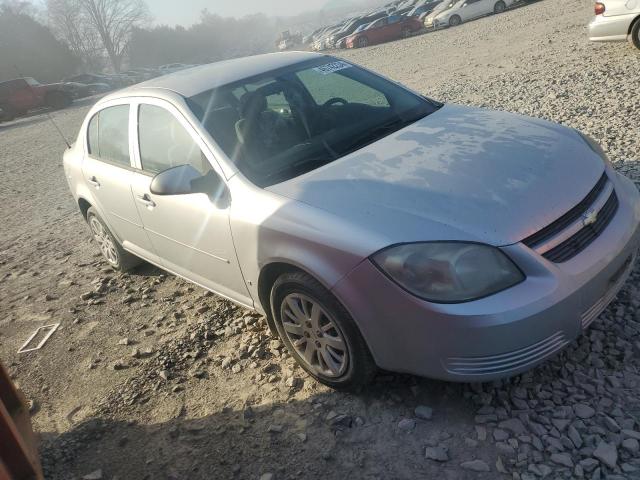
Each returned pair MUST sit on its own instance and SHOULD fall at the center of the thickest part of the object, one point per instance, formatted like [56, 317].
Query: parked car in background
[616, 20]
[172, 67]
[350, 27]
[372, 226]
[465, 10]
[91, 78]
[21, 95]
[384, 30]
[423, 8]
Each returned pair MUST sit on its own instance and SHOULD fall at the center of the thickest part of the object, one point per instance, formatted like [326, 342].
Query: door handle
[94, 181]
[146, 201]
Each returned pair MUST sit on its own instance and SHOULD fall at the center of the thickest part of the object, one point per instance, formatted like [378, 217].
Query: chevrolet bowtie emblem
[589, 218]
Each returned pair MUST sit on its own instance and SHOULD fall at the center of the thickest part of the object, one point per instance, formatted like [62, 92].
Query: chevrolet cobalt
[372, 226]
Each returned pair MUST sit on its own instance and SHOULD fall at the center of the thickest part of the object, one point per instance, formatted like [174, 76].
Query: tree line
[63, 37]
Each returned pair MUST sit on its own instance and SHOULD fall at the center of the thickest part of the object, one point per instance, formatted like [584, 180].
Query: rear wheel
[634, 38]
[454, 21]
[58, 100]
[7, 114]
[363, 42]
[319, 333]
[117, 257]
[499, 7]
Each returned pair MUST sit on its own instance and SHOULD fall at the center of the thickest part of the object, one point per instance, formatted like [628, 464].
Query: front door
[475, 8]
[107, 170]
[190, 233]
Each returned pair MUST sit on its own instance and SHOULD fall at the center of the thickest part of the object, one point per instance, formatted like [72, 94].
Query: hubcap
[104, 241]
[314, 335]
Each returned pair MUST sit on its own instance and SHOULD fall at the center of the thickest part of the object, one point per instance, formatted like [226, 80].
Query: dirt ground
[149, 377]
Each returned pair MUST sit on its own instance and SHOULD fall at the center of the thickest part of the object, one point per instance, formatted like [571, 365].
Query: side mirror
[174, 181]
[185, 179]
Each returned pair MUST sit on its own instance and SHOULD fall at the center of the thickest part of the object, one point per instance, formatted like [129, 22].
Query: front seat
[259, 130]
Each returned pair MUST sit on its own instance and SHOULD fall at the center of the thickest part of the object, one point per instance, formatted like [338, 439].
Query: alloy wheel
[314, 335]
[104, 241]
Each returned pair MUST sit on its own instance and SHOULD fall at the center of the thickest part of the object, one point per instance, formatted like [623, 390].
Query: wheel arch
[268, 275]
[633, 24]
[84, 206]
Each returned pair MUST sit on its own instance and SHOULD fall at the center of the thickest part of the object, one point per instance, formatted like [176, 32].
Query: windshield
[284, 123]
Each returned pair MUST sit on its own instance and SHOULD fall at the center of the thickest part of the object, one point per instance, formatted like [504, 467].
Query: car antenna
[55, 125]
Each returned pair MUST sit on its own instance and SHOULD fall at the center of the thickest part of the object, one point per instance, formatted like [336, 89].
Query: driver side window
[164, 142]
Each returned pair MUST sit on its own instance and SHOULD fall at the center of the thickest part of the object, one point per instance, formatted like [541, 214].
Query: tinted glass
[164, 143]
[108, 135]
[282, 124]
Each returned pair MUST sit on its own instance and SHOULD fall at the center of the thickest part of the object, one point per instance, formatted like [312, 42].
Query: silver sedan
[616, 20]
[372, 226]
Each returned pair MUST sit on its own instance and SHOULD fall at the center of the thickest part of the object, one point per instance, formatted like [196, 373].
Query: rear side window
[108, 135]
[164, 142]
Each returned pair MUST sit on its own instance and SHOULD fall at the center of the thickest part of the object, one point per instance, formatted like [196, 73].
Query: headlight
[448, 272]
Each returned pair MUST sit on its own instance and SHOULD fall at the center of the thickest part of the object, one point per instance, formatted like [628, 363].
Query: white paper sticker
[332, 67]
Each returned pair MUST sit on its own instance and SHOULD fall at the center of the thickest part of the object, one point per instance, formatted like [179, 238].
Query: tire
[499, 7]
[58, 100]
[363, 42]
[117, 257]
[406, 32]
[8, 113]
[454, 21]
[333, 331]
[634, 38]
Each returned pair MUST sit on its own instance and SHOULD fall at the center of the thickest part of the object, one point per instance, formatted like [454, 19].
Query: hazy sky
[187, 12]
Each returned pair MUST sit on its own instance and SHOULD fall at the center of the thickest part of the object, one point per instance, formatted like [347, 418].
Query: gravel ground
[150, 377]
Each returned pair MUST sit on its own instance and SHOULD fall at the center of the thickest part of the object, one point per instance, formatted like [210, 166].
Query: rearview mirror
[185, 179]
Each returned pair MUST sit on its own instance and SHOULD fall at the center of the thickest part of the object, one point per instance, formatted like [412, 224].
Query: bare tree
[113, 21]
[70, 22]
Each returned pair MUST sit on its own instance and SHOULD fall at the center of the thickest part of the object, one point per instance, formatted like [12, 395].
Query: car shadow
[323, 435]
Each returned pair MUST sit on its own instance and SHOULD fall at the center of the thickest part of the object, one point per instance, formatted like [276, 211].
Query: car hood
[458, 174]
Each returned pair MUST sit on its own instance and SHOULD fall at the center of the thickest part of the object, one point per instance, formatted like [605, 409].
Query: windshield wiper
[377, 132]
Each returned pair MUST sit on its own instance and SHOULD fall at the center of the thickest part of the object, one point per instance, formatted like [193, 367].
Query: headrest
[252, 103]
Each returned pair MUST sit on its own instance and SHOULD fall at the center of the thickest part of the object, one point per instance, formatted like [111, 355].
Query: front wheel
[634, 38]
[406, 32]
[499, 7]
[117, 257]
[454, 21]
[57, 100]
[319, 332]
[363, 42]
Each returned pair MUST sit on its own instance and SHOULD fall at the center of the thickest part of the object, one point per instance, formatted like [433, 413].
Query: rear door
[190, 233]
[394, 27]
[108, 170]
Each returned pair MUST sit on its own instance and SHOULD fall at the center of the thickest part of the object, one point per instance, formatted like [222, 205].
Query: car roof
[194, 80]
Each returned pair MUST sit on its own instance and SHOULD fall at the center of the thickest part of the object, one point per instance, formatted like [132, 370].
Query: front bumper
[506, 333]
[608, 29]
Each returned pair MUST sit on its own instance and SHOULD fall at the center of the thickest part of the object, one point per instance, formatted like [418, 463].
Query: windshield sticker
[331, 67]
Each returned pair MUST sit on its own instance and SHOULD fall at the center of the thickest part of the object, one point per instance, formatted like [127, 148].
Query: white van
[455, 12]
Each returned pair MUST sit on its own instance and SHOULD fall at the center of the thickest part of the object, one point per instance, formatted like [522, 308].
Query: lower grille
[581, 240]
[597, 308]
[507, 362]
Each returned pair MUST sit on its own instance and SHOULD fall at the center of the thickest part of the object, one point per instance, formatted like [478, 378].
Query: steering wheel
[333, 101]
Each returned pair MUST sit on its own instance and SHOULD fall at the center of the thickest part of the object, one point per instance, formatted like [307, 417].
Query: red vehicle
[384, 30]
[19, 96]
